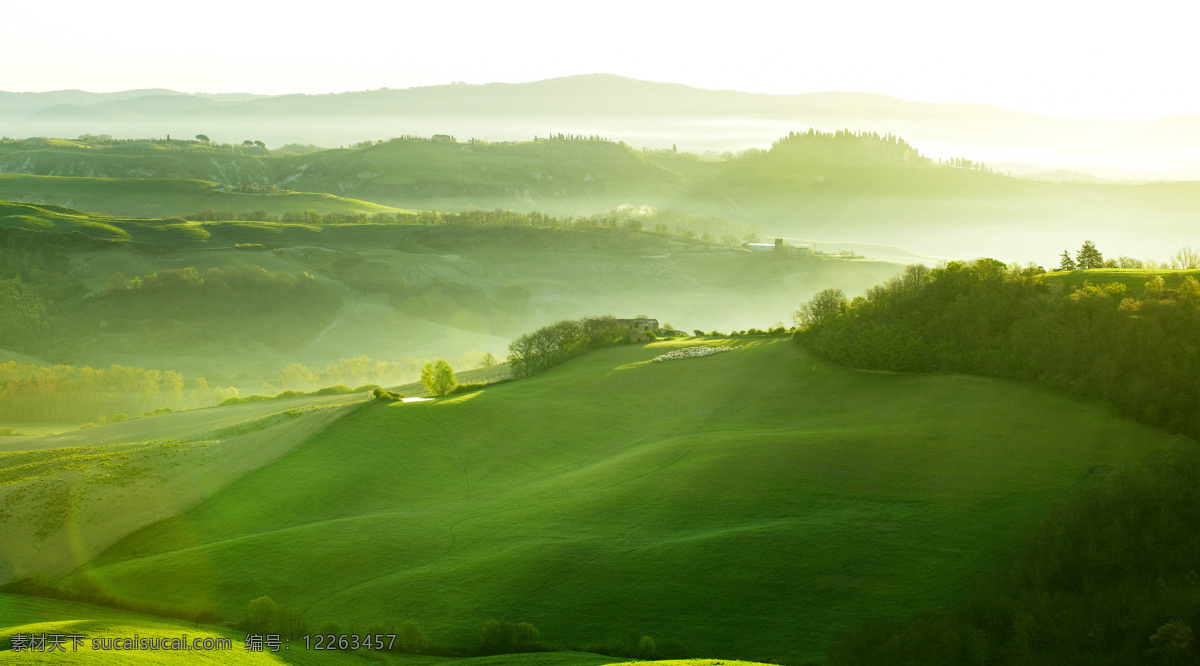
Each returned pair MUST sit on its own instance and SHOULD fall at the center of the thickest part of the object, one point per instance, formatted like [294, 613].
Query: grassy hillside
[747, 504]
[163, 197]
[64, 498]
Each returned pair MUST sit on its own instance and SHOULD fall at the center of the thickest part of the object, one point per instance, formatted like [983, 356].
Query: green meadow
[747, 505]
[1134, 279]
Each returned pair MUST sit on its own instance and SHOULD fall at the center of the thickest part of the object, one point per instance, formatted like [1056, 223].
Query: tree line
[1129, 348]
[845, 146]
[551, 345]
[70, 393]
[1089, 257]
[625, 218]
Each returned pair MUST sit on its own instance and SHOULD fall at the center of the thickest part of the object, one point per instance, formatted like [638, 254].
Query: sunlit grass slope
[66, 497]
[1134, 279]
[747, 504]
[166, 197]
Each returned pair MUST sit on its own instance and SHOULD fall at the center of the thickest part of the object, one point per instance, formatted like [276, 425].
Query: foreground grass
[748, 504]
[34, 616]
[66, 497]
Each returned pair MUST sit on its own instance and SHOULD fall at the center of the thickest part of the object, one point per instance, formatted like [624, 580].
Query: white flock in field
[691, 352]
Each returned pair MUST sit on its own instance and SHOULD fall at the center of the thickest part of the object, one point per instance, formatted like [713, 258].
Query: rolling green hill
[748, 504]
[165, 197]
[839, 187]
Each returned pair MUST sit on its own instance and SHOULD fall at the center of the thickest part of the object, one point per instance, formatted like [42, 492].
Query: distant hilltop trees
[845, 145]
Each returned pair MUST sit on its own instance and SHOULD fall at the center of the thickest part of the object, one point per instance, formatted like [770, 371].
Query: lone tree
[202, 138]
[438, 378]
[825, 304]
[1089, 256]
[1066, 263]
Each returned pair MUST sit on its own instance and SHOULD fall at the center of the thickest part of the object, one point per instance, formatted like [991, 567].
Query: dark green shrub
[411, 639]
[498, 636]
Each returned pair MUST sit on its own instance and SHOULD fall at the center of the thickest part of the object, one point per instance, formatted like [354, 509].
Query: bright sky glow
[1079, 59]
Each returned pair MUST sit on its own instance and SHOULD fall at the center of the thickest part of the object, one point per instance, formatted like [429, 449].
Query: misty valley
[424, 398]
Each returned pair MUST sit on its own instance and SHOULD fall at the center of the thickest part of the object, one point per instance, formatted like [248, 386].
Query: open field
[747, 504]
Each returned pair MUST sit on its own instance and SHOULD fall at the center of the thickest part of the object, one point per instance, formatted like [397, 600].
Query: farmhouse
[638, 328]
[782, 248]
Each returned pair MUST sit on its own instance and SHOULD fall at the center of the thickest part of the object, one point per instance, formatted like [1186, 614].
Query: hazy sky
[1085, 59]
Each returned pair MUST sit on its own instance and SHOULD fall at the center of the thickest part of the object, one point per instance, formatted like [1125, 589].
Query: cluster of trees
[1087, 258]
[363, 370]
[964, 163]
[264, 616]
[67, 393]
[627, 218]
[1187, 258]
[845, 146]
[1098, 341]
[551, 345]
[1111, 578]
[624, 218]
[504, 638]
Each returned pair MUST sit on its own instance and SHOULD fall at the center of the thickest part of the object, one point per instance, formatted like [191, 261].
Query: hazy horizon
[1106, 63]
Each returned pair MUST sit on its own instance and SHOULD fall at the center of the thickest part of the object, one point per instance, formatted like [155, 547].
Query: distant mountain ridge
[642, 113]
[587, 94]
